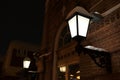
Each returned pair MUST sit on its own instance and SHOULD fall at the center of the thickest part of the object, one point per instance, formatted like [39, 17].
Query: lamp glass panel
[83, 23]
[26, 62]
[73, 26]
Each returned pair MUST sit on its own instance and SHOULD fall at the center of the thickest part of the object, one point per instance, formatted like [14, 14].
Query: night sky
[21, 20]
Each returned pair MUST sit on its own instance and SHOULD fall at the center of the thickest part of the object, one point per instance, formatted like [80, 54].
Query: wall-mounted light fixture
[78, 21]
[26, 62]
[62, 68]
[30, 68]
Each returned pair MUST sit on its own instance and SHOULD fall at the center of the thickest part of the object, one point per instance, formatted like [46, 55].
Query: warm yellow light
[63, 69]
[78, 77]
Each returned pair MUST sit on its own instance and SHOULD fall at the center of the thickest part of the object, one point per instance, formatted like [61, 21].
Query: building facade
[15, 55]
[103, 34]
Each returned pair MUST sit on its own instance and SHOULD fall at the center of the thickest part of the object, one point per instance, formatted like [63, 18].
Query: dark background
[21, 20]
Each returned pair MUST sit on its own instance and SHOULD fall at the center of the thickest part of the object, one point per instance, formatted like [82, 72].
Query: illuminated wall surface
[103, 34]
[73, 72]
[16, 52]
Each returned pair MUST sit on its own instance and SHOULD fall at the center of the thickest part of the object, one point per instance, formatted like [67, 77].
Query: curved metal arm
[100, 58]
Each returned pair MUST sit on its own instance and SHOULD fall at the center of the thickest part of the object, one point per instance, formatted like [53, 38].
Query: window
[65, 37]
[61, 75]
[72, 72]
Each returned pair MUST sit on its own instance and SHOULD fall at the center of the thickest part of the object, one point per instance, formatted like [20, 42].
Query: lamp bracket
[101, 58]
[41, 54]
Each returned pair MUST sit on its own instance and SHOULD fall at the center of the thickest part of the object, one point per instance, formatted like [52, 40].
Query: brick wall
[89, 68]
[104, 34]
[116, 62]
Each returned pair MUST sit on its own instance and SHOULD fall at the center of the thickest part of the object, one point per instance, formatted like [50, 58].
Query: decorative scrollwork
[101, 58]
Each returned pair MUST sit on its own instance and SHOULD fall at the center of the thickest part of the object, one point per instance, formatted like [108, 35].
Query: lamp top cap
[78, 9]
[26, 59]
